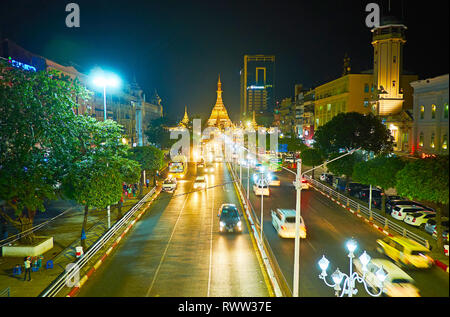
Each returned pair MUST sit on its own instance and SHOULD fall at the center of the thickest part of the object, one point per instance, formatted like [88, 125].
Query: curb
[83, 280]
[438, 263]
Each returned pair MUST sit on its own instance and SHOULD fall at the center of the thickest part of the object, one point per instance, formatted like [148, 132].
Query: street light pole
[298, 187]
[104, 101]
[248, 179]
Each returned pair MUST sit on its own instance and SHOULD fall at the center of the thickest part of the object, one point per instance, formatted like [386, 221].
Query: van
[405, 252]
[283, 220]
[261, 190]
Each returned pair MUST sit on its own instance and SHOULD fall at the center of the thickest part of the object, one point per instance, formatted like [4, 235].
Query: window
[446, 111]
[366, 87]
[366, 103]
[444, 142]
[421, 139]
[433, 137]
[329, 107]
[433, 112]
[395, 59]
[422, 112]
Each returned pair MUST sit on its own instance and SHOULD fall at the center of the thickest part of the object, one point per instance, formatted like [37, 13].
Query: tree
[312, 157]
[380, 171]
[95, 177]
[36, 137]
[427, 180]
[150, 158]
[293, 144]
[158, 132]
[345, 165]
[352, 130]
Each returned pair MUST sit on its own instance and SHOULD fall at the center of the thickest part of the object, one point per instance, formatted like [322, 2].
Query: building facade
[430, 129]
[258, 87]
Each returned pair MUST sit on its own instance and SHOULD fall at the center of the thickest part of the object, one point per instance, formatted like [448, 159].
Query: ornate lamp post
[349, 281]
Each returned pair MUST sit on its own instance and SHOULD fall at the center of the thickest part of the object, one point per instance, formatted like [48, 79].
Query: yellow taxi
[405, 252]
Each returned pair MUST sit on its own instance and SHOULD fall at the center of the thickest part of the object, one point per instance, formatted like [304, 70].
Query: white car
[397, 282]
[169, 185]
[399, 212]
[420, 218]
[261, 190]
[283, 220]
[200, 182]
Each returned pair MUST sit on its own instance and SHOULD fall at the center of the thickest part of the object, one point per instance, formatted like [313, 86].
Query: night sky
[180, 47]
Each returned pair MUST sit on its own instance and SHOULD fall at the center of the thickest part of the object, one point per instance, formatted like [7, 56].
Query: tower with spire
[219, 115]
[185, 121]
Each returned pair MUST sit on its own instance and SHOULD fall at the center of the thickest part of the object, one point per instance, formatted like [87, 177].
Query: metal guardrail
[60, 282]
[383, 221]
[5, 293]
[267, 250]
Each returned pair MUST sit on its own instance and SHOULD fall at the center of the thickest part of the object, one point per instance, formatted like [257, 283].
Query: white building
[430, 129]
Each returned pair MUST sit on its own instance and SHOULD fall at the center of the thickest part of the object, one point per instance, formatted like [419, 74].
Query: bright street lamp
[349, 281]
[106, 81]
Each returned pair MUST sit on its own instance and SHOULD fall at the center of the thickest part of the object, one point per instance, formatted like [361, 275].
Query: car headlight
[239, 223]
[181, 175]
[222, 224]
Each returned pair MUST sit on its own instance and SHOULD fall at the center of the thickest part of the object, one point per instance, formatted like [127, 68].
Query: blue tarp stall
[282, 148]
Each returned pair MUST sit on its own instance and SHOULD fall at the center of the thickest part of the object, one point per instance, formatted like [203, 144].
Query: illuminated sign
[256, 87]
[21, 65]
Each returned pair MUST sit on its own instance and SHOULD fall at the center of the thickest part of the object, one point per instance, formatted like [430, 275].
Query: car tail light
[283, 228]
[414, 220]
[399, 213]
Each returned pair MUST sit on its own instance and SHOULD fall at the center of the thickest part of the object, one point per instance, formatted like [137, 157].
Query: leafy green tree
[293, 144]
[312, 157]
[380, 171]
[345, 165]
[150, 158]
[36, 137]
[427, 180]
[96, 175]
[158, 132]
[352, 130]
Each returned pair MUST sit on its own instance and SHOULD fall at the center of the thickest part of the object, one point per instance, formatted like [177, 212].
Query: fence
[69, 274]
[385, 222]
[264, 246]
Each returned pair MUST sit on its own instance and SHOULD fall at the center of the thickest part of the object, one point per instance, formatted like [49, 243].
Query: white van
[261, 190]
[283, 220]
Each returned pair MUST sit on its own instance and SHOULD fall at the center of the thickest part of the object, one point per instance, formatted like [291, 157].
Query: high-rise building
[258, 88]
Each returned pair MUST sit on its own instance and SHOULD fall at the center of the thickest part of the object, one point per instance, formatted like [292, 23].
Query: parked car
[399, 212]
[229, 218]
[430, 227]
[327, 178]
[392, 203]
[377, 196]
[420, 218]
[397, 282]
[283, 220]
[353, 189]
[169, 184]
[339, 183]
[404, 251]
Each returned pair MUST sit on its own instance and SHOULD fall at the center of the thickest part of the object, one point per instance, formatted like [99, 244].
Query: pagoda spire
[219, 115]
[185, 121]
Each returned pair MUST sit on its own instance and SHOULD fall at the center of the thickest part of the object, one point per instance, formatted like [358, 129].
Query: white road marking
[211, 242]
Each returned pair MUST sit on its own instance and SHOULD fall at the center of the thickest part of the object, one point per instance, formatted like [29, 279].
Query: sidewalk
[66, 232]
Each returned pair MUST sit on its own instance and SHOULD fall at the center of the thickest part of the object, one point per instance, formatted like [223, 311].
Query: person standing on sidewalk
[27, 264]
[147, 181]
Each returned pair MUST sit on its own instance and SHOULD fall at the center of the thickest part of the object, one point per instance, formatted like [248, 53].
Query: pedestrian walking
[129, 191]
[134, 191]
[27, 264]
[147, 182]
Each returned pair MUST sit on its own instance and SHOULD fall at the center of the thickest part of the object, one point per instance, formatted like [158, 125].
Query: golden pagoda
[219, 115]
[185, 121]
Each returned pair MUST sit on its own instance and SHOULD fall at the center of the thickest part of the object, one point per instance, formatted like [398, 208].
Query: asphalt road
[328, 229]
[176, 250]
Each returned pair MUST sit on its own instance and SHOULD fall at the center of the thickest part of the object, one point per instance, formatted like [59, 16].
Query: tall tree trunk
[313, 172]
[83, 228]
[141, 185]
[119, 210]
[26, 224]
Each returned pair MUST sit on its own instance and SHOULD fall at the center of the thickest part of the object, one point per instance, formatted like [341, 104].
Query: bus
[178, 167]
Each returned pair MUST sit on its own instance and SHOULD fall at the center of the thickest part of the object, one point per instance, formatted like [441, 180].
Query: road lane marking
[211, 243]
[167, 247]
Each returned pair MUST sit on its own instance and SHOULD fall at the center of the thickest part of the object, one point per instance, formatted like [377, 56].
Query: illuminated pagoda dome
[219, 115]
